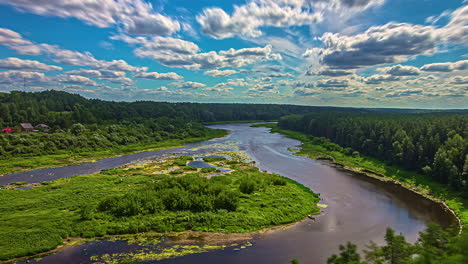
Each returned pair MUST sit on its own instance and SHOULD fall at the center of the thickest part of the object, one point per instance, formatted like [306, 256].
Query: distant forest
[435, 144]
[63, 109]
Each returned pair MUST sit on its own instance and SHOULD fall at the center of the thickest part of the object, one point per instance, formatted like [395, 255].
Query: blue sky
[362, 53]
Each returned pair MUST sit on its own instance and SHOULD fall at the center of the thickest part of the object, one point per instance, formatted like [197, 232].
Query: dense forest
[433, 144]
[63, 109]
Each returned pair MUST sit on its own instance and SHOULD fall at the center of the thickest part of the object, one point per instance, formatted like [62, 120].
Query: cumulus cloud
[85, 73]
[184, 54]
[445, 66]
[328, 72]
[247, 19]
[386, 44]
[76, 79]
[400, 70]
[380, 78]
[263, 88]
[22, 46]
[333, 83]
[11, 38]
[26, 65]
[220, 73]
[219, 89]
[405, 93]
[22, 77]
[158, 76]
[187, 85]
[305, 92]
[134, 16]
[459, 80]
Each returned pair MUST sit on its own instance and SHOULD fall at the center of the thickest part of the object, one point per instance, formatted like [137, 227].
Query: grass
[39, 219]
[378, 169]
[213, 159]
[18, 164]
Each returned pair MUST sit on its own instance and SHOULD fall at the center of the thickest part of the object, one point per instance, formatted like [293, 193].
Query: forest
[434, 144]
[62, 110]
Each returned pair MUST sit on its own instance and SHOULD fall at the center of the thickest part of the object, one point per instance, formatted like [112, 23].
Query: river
[359, 209]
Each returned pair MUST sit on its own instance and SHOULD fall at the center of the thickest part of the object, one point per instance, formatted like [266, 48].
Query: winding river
[359, 209]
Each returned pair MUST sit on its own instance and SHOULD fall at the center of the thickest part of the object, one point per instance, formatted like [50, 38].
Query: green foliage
[434, 246]
[182, 160]
[294, 261]
[213, 159]
[348, 255]
[209, 170]
[248, 186]
[119, 201]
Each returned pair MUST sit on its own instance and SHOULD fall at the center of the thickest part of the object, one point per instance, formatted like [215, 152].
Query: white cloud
[184, 54]
[220, 73]
[445, 66]
[305, 92]
[400, 70]
[76, 79]
[14, 41]
[247, 19]
[22, 77]
[26, 65]
[459, 80]
[187, 85]
[85, 73]
[456, 31]
[135, 16]
[385, 44]
[158, 76]
[218, 89]
[380, 78]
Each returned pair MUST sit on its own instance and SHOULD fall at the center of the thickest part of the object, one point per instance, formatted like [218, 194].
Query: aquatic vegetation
[159, 253]
[209, 170]
[213, 159]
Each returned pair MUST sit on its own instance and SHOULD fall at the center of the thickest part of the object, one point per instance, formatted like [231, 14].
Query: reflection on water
[359, 209]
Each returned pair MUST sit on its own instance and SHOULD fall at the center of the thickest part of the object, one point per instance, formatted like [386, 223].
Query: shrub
[247, 186]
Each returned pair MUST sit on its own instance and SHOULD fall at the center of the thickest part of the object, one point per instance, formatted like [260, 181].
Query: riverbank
[237, 122]
[370, 167]
[142, 197]
[19, 164]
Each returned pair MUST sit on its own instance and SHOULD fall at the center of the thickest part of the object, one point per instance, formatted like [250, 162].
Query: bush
[209, 169]
[247, 186]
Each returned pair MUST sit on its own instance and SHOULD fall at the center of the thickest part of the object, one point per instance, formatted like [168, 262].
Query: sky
[358, 53]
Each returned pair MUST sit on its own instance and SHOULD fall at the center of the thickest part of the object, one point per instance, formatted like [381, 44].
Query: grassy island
[147, 197]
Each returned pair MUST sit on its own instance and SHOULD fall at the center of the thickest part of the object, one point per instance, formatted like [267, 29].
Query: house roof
[26, 126]
[42, 126]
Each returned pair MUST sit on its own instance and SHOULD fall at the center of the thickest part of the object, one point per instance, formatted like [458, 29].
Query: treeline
[434, 245]
[63, 109]
[433, 144]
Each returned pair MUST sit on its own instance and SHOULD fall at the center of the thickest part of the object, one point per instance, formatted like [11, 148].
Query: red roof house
[26, 127]
[7, 130]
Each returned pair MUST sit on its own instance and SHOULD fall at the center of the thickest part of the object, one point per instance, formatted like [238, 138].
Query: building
[42, 126]
[7, 130]
[26, 127]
